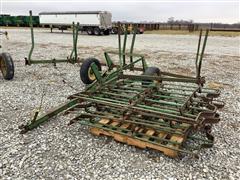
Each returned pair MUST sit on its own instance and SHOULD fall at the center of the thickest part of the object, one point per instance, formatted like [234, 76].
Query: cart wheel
[86, 74]
[151, 71]
[6, 66]
[97, 31]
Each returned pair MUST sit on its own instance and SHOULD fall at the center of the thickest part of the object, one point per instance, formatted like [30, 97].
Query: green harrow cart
[142, 106]
[73, 58]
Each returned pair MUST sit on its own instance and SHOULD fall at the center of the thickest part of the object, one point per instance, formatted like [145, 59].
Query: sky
[216, 11]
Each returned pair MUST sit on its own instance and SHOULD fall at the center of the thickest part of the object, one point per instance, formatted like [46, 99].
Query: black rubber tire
[85, 69]
[97, 31]
[90, 31]
[6, 66]
[151, 71]
[114, 30]
[106, 32]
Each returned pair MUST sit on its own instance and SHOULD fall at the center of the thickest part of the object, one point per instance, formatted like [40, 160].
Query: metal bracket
[109, 61]
[96, 72]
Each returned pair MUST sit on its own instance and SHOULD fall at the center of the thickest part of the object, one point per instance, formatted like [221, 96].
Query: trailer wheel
[151, 71]
[90, 31]
[114, 30]
[6, 66]
[97, 31]
[106, 32]
[86, 74]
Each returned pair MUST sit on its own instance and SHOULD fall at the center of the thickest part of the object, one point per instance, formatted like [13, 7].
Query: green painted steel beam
[49, 61]
[132, 44]
[201, 56]
[32, 38]
[46, 117]
[121, 104]
[165, 104]
[124, 45]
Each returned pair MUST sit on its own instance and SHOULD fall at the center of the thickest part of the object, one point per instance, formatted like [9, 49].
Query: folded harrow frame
[163, 111]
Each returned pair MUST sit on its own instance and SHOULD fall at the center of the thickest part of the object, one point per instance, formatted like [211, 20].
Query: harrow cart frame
[73, 58]
[153, 109]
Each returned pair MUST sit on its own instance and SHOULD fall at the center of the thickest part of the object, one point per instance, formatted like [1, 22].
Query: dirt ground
[186, 32]
[58, 151]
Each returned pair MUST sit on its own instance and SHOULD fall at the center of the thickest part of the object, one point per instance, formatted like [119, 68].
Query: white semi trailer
[93, 22]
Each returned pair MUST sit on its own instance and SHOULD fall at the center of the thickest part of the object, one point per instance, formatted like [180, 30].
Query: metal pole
[199, 43]
[75, 42]
[132, 45]
[73, 27]
[47, 116]
[119, 44]
[124, 44]
[202, 53]
[32, 38]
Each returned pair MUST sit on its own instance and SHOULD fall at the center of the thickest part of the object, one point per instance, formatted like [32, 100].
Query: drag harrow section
[140, 136]
[159, 110]
[149, 116]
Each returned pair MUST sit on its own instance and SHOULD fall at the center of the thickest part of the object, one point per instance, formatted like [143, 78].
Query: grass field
[185, 32]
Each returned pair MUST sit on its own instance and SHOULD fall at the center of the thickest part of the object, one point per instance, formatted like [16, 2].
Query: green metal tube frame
[198, 62]
[111, 76]
[29, 60]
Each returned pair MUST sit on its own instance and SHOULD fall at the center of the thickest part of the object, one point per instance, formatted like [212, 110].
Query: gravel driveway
[58, 151]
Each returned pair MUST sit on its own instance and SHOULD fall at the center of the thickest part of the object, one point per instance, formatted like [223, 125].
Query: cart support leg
[76, 40]
[28, 61]
[124, 45]
[119, 44]
[133, 42]
[198, 48]
[202, 53]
